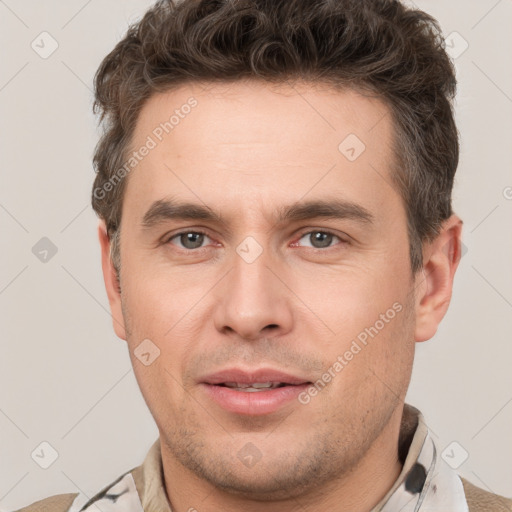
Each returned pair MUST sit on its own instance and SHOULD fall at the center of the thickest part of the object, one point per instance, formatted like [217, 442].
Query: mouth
[253, 392]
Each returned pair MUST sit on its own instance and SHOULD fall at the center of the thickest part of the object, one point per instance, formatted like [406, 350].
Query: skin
[246, 150]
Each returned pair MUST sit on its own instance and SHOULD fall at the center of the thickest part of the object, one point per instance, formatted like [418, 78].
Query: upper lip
[251, 376]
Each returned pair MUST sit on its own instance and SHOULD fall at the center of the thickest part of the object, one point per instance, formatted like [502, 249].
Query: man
[274, 185]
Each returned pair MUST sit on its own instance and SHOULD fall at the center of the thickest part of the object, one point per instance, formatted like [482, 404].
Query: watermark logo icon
[455, 45]
[454, 455]
[146, 352]
[44, 250]
[249, 250]
[351, 147]
[44, 45]
[249, 455]
[44, 455]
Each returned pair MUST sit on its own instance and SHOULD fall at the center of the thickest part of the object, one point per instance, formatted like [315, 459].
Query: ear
[111, 282]
[434, 282]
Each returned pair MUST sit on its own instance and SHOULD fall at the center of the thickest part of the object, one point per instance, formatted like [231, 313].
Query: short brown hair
[378, 46]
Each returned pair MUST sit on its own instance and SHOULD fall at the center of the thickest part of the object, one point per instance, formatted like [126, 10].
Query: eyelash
[302, 234]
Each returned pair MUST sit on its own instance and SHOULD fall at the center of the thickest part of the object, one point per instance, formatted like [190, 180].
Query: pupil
[320, 239]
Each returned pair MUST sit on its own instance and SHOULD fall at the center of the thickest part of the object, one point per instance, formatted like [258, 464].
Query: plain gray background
[66, 379]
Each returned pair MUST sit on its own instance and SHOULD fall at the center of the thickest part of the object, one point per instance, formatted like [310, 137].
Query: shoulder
[480, 500]
[122, 492]
[58, 503]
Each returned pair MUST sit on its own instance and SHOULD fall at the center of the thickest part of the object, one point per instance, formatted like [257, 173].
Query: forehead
[255, 111]
[212, 143]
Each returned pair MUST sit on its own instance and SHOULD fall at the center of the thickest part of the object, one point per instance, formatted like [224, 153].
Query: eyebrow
[163, 210]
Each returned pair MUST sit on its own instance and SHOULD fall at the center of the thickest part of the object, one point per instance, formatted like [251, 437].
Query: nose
[253, 300]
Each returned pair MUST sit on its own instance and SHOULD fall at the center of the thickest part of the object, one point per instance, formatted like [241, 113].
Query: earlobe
[435, 282]
[112, 286]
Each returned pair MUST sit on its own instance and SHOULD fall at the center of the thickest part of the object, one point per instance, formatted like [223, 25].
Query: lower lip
[253, 403]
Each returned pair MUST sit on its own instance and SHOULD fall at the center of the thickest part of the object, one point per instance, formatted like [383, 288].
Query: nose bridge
[253, 299]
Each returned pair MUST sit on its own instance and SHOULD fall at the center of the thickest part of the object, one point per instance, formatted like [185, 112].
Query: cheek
[377, 361]
[156, 299]
[348, 299]
[165, 315]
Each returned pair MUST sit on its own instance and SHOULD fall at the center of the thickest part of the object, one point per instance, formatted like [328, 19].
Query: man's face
[260, 289]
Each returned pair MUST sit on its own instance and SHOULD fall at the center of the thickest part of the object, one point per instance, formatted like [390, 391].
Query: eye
[319, 239]
[189, 239]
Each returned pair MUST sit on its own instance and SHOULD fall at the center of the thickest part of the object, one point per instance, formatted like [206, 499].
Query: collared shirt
[426, 483]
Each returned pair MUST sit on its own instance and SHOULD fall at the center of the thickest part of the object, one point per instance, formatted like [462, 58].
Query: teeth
[255, 386]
